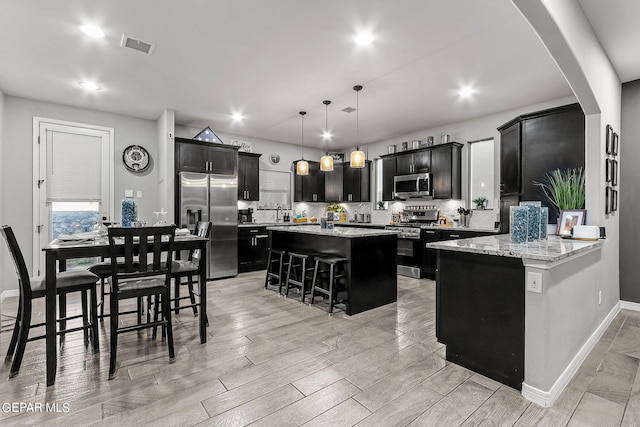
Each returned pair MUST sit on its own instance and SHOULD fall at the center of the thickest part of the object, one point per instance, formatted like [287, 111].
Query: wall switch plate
[128, 193]
[534, 282]
[599, 297]
[139, 194]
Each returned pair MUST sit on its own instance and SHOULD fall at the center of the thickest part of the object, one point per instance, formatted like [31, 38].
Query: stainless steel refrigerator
[213, 197]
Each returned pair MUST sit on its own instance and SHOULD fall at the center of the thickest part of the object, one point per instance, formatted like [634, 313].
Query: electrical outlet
[534, 282]
[599, 297]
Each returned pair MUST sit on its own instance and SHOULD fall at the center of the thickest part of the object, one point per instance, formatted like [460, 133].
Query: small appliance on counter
[245, 216]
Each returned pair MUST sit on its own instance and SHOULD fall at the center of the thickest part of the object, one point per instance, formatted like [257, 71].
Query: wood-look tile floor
[270, 361]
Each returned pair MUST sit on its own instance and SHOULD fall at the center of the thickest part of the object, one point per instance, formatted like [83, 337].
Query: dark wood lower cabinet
[480, 314]
[252, 248]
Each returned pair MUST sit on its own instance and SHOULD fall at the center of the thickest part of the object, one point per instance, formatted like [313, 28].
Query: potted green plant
[565, 189]
[480, 202]
[380, 205]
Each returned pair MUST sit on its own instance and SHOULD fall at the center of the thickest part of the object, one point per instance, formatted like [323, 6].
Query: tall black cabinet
[533, 145]
[249, 176]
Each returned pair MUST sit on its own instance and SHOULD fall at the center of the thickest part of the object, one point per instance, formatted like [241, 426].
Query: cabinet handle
[454, 235]
[429, 232]
[248, 194]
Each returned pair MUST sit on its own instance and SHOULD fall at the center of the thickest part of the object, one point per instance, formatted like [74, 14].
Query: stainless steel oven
[409, 254]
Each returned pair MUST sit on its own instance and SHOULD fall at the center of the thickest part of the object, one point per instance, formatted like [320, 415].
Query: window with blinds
[75, 167]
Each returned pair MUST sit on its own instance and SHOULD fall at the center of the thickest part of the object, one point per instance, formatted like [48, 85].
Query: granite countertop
[347, 232]
[552, 249]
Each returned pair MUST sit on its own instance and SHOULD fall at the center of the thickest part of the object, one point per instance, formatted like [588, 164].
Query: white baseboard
[548, 398]
[9, 293]
[628, 305]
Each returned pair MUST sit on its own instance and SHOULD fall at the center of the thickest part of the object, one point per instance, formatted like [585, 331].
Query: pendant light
[302, 166]
[357, 157]
[326, 161]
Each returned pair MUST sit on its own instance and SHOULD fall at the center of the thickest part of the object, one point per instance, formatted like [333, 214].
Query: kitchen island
[524, 314]
[371, 255]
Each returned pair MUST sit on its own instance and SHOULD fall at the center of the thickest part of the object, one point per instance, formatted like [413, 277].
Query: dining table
[58, 252]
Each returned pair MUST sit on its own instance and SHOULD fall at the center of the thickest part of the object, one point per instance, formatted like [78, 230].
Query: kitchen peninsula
[371, 255]
[520, 313]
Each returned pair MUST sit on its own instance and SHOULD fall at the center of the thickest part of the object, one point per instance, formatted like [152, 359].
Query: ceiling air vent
[135, 44]
[349, 110]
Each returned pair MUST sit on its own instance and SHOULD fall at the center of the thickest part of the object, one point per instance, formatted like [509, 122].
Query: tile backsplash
[448, 208]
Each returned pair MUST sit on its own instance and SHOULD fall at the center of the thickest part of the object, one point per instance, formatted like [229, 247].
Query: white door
[73, 180]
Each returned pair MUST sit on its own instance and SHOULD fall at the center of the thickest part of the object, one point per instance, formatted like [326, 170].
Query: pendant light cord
[357, 88]
[326, 125]
[302, 113]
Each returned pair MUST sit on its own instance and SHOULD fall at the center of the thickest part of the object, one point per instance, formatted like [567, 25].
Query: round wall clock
[135, 158]
[274, 158]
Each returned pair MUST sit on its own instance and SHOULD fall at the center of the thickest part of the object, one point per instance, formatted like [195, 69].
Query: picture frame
[614, 173]
[608, 170]
[609, 139]
[569, 218]
[337, 157]
[607, 200]
[614, 145]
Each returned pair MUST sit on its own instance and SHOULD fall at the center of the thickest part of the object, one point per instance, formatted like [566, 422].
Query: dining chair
[150, 276]
[189, 268]
[103, 271]
[31, 288]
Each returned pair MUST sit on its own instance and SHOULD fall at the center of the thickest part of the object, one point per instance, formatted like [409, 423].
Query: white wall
[568, 36]
[17, 170]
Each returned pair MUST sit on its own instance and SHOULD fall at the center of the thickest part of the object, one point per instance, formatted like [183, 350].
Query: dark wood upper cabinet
[197, 156]
[417, 162]
[333, 182]
[388, 172]
[446, 161]
[249, 176]
[510, 160]
[309, 188]
[356, 183]
[532, 145]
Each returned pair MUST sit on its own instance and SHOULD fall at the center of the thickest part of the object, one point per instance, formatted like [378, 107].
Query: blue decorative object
[128, 212]
[518, 223]
[544, 220]
[533, 223]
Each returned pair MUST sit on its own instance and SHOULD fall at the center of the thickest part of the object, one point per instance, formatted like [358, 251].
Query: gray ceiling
[270, 59]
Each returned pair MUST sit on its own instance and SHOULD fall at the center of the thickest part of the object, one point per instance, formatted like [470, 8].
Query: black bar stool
[298, 271]
[275, 265]
[335, 266]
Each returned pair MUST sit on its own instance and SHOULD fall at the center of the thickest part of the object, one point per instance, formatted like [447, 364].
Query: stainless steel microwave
[415, 185]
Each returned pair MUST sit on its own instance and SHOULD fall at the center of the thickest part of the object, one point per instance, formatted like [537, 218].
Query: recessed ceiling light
[237, 117]
[326, 135]
[364, 38]
[90, 86]
[92, 31]
[466, 91]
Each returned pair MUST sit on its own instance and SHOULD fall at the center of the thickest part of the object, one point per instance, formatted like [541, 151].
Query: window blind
[74, 167]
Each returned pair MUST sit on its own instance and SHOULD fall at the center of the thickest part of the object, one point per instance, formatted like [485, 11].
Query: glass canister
[518, 216]
[129, 212]
[544, 220]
